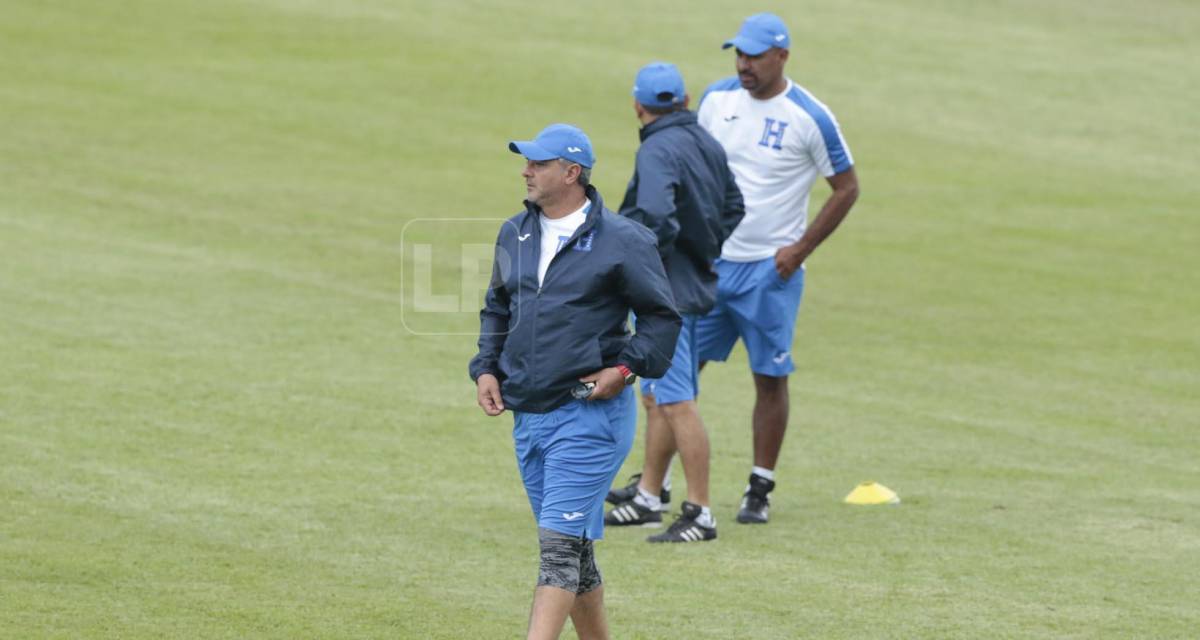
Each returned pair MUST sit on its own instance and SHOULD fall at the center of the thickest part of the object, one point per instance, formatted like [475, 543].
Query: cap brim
[531, 150]
[746, 45]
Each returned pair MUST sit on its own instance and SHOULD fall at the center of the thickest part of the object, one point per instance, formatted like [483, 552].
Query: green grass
[213, 422]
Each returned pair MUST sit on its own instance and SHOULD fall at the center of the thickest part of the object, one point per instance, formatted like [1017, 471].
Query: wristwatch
[630, 378]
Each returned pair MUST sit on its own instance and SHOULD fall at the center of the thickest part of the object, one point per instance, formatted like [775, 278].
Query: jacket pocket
[591, 358]
[565, 351]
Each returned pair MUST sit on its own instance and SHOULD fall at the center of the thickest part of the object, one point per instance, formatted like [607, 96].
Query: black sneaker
[755, 504]
[685, 528]
[627, 492]
[630, 513]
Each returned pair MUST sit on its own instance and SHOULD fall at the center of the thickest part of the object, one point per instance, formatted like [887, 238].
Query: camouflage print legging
[568, 563]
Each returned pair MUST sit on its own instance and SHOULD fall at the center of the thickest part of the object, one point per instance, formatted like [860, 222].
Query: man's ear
[573, 172]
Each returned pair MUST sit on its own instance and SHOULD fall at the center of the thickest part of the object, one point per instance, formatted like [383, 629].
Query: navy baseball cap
[659, 84]
[557, 141]
[760, 32]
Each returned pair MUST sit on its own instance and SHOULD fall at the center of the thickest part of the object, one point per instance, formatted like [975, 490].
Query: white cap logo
[780, 37]
[574, 149]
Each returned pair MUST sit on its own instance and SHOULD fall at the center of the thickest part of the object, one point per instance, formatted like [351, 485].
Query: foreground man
[567, 272]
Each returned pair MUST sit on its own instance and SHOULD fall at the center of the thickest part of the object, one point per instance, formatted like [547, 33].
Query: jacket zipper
[536, 237]
[537, 303]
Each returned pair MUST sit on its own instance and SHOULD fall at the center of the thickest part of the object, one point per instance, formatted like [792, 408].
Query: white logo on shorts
[781, 357]
[572, 516]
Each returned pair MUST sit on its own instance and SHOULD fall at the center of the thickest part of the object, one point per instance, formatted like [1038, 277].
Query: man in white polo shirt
[778, 139]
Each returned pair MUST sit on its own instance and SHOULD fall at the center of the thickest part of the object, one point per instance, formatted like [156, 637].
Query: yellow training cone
[871, 492]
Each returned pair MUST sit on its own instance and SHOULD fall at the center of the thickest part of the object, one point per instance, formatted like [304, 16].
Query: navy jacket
[538, 341]
[683, 191]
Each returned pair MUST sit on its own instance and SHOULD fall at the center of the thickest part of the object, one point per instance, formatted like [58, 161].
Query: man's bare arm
[835, 209]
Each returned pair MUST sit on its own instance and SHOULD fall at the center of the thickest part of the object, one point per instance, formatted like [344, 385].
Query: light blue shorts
[682, 380]
[569, 458]
[756, 305]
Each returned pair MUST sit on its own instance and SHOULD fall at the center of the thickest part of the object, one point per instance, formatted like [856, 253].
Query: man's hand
[488, 394]
[609, 382]
[787, 260]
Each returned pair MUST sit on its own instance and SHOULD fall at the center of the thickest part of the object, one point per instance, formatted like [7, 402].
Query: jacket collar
[532, 211]
[675, 119]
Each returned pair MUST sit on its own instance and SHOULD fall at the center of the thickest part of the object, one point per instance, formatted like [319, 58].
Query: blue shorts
[569, 458]
[682, 381]
[756, 305]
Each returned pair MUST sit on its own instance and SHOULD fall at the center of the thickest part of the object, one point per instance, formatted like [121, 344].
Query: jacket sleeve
[648, 293]
[654, 205]
[733, 208]
[493, 319]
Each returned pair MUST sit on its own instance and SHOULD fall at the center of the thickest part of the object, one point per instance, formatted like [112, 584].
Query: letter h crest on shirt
[772, 135]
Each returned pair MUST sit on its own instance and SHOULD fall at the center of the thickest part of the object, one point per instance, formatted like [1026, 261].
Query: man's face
[761, 71]
[545, 180]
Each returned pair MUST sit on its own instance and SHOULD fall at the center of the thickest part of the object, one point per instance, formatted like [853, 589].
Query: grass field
[214, 422]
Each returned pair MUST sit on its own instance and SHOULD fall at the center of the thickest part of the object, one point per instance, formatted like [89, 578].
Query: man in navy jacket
[554, 348]
[683, 191]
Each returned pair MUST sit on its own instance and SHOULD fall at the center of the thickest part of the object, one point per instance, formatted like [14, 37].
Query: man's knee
[561, 560]
[589, 573]
[679, 410]
[770, 386]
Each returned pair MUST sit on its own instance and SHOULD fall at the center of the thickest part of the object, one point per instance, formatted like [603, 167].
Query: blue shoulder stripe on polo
[725, 84]
[834, 145]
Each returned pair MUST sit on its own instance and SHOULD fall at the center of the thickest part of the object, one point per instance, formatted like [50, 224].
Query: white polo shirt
[775, 148]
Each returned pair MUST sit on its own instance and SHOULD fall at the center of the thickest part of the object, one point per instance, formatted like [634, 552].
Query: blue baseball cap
[760, 32]
[659, 84]
[557, 141]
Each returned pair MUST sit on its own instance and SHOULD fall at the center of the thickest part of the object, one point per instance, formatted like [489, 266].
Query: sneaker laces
[755, 502]
[681, 522]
